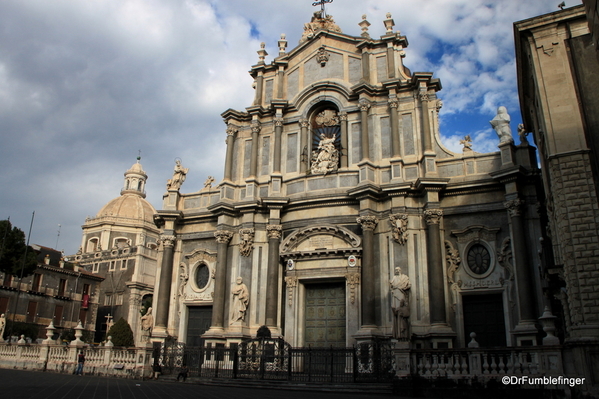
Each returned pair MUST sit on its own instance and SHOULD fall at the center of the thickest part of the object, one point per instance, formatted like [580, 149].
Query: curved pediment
[319, 238]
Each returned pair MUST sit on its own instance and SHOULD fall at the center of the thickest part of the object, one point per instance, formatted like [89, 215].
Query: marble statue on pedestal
[241, 299]
[179, 175]
[501, 124]
[147, 323]
[400, 289]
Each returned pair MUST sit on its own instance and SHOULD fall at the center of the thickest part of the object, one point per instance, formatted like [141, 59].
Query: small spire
[282, 44]
[389, 24]
[364, 24]
[262, 53]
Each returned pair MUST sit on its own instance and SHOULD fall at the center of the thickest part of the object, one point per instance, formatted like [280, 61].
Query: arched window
[92, 245]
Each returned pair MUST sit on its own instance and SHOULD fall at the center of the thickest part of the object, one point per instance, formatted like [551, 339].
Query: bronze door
[325, 315]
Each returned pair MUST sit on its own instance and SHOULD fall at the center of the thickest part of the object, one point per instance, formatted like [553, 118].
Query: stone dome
[129, 206]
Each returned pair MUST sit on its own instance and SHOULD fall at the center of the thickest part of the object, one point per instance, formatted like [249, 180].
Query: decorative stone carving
[183, 278]
[504, 257]
[282, 44]
[304, 123]
[2, 327]
[342, 116]
[274, 231]
[328, 117]
[322, 56]
[514, 207]
[393, 103]
[231, 130]
[367, 222]
[291, 284]
[364, 105]
[319, 21]
[179, 175]
[467, 143]
[389, 24]
[241, 299]
[523, 134]
[278, 122]
[433, 216]
[208, 182]
[399, 227]
[352, 280]
[423, 96]
[246, 241]
[262, 53]
[453, 260]
[223, 236]
[501, 124]
[364, 24]
[400, 304]
[167, 240]
[325, 159]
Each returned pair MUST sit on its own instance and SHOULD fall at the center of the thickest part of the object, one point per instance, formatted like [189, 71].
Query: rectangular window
[96, 268]
[124, 264]
[62, 285]
[31, 311]
[3, 304]
[108, 300]
[112, 266]
[8, 279]
[35, 282]
[58, 315]
[119, 299]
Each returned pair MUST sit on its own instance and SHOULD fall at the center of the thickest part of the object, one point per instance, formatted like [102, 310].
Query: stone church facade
[342, 217]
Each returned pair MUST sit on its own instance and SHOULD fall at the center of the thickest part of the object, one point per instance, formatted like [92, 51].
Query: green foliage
[121, 333]
[18, 328]
[12, 251]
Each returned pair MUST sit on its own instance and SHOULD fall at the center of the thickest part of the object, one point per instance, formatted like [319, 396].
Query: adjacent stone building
[342, 217]
[57, 291]
[558, 72]
[120, 245]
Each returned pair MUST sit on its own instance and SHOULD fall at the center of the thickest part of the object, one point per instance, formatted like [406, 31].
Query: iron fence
[274, 359]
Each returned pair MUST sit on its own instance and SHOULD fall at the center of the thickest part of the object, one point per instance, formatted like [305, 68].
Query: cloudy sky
[85, 85]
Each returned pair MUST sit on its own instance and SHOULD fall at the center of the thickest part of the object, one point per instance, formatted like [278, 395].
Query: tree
[12, 251]
[121, 333]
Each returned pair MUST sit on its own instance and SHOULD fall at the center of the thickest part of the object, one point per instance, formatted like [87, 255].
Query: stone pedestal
[402, 358]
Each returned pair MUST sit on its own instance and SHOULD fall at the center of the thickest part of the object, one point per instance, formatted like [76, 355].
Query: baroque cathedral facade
[342, 217]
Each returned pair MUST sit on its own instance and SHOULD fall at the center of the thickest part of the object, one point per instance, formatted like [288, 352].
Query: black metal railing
[274, 359]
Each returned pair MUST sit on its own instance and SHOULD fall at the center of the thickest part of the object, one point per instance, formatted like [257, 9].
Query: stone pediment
[321, 239]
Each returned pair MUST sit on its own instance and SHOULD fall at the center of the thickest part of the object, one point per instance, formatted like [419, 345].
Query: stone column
[368, 224]
[364, 107]
[395, 150]
[277, 155]
[231, 131]
[254, 160]
[218, 305]
[166, 273]
[524, 280]
[344, 139]
[304, 145]
[426, 126]
[272, 277]
[436, 284]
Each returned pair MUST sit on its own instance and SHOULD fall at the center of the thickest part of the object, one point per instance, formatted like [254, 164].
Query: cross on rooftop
[321, 3]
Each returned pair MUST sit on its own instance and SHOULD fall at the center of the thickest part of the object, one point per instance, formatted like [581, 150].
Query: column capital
[433, 216]
[274, 231]
[304, 123]
[393, 103]
[342, 116]
[364, 105]
[223, 236]
[256, 127]
[231, 130]
[278, 122]
[514, 207]
[367, 222]
[168, 240]
[423, 96]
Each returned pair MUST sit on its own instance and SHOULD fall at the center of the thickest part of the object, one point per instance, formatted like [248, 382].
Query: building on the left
[57, 291]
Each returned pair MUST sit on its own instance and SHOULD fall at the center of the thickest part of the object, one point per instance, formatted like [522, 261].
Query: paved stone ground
[18, 384]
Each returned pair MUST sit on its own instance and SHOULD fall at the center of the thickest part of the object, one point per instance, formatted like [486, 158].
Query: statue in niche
[400, 304]
[179, 175]
[241, 299]
[147, 323]
[501, 124]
